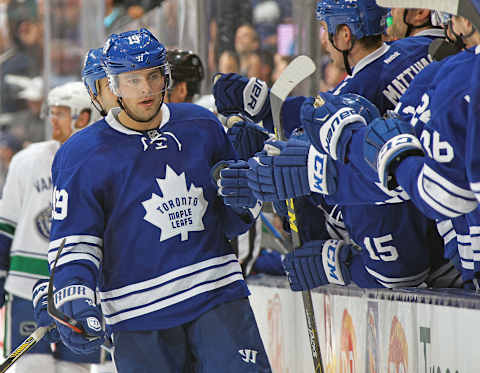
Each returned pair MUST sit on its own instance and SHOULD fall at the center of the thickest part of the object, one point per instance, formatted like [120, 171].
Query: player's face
[141, 92]
[61, 121]
[106, 97]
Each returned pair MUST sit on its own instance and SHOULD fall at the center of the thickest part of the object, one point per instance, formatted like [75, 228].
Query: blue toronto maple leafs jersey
[383, 76]
[358, 170]
[142, 219]
[398, 245]
[438, 182]
[473, 131]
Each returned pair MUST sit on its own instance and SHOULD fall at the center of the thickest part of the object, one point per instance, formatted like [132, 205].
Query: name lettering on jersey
[248, 356]
[180, 210]
[399, 85]
[43, 184]
[159, 139]
[389, 59]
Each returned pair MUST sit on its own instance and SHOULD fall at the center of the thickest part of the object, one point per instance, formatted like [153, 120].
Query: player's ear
[83, 119]
[421, 16]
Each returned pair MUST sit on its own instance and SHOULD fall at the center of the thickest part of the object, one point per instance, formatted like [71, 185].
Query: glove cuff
[40, 289]
[255, 96]
[392, 153]
[331, 262]
[73, 292]
[317, 171]
[331, 131]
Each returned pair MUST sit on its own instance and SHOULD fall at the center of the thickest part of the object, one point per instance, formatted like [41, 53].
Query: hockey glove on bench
[331, 120]
[290, 169]
[235, 93]
[318, 263]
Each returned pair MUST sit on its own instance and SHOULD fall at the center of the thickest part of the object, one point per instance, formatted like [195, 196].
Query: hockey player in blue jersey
[274, 178]
[437, 182]
[187, 75]
[96, 82]
[134, 201]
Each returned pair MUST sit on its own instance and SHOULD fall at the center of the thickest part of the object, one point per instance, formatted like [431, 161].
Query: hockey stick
[297, 71]
[26, 345]
[463, 8]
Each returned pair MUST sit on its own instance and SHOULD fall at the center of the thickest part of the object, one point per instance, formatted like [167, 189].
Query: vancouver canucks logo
[43, 221]
[179, 211]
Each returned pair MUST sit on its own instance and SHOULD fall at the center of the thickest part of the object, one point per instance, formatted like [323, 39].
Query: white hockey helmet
[74, 96]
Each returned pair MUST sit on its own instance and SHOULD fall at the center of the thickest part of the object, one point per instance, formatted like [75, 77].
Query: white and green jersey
[25, 216]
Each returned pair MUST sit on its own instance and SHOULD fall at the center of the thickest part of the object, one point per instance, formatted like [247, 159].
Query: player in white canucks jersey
[25, 215]
[140, 216]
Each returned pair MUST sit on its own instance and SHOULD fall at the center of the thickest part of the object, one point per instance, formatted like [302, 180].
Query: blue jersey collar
[113, 122]
[367, 60]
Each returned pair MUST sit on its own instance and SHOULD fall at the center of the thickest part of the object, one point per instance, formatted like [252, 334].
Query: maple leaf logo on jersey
[179, 211]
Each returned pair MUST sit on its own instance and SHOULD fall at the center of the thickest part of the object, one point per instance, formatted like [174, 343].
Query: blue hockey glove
[318, 263]
[42, 318]
[78, 301]
[290, 169]
[237, 94]
[330, 120]
[232, 182]
[247, 138]
[387, 143]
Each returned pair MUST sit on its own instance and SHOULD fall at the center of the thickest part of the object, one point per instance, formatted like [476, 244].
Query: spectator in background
[23, 55]
[228, 15]
[332, 75]
[9, 145]
[229, 62]
[246, 42]
[260, 65]
[27, 125]
[267, 15]
[116, 17]
[280, 63]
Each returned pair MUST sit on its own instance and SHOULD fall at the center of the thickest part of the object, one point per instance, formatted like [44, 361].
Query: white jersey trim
[367, 60]
[79, 248]
[171, 288]
[445, 228]
[444, 196]
[395, 282]
[113, 122]
[112, 320]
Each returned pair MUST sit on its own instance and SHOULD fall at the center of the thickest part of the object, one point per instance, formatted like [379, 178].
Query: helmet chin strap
[345, 53]
[411, 27]
[459, 40]
[99, 108]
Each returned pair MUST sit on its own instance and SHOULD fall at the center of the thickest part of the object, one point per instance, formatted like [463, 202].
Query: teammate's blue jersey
[382, 77]
[473, 131]
[398, 246]
[140, 215]
[357, 170]
[437, 183]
